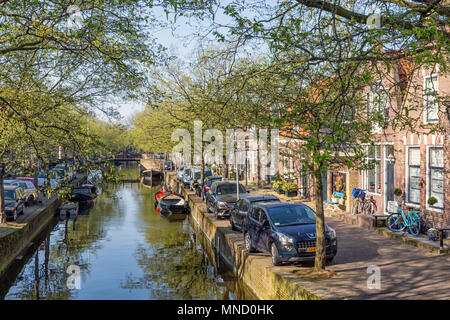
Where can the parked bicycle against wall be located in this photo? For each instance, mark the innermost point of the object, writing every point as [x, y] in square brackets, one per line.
[363, 204]
[399, 221]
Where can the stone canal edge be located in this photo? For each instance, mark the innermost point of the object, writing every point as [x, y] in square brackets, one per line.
[255, 270]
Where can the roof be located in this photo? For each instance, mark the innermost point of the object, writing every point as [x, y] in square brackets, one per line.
[261, 197]
[11, 187]
[214, 177]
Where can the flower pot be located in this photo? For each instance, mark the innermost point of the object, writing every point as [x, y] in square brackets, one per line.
[280, 191]
[291, 193]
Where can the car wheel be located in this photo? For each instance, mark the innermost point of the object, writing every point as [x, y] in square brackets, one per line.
[248, 243]
[330, 260]
[276, 260]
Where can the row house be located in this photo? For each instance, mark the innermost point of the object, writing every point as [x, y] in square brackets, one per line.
[415, 160]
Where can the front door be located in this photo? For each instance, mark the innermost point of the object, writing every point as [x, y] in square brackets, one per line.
[389, 192]
[389, 176]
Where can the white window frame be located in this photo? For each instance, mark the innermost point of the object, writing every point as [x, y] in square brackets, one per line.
[428, 180]
[375, 88]
[365, 172]
[411, 204]
[425, 101]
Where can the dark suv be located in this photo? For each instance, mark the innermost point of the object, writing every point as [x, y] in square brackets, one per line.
[222, 197]
[243, 206]
[287, 231]
[204, 189]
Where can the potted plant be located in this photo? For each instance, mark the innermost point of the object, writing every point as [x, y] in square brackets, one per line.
[432, 201]
[398, 192]
[290, 189]
[277, 186]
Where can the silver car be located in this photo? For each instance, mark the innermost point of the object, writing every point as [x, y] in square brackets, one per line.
[180, 173]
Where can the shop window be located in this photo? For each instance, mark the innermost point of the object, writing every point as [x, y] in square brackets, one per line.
[436, 176]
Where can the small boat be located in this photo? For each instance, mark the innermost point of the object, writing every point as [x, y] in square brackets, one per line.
[151, 177]
[84, 194]
[69, 209]
[162, 193]
[173, 207]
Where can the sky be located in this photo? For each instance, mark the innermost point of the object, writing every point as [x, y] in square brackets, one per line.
[178, 43]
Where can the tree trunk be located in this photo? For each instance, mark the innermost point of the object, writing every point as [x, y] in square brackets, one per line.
[319, 263]
[258, 169]
[225, 171]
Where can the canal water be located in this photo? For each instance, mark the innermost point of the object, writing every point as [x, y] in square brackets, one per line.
[120, 249]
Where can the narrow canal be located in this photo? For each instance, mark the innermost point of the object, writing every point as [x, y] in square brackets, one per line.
[121, 249]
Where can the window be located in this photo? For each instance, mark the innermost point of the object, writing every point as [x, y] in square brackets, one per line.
[436, 176]
[372, 177]
[430, 98]
[377, 106]
[414, 175]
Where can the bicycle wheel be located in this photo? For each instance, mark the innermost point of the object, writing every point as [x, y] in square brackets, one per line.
[395, 223]
[414, 227]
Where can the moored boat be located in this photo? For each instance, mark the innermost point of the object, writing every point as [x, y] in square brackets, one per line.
[84, 195]
[173, 207]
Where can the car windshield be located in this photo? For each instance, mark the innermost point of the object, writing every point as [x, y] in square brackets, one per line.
[187, 172]
[210, 181]
[229, 188]
[9, 195]
[264, 200]
[197, 175]
[291, 215]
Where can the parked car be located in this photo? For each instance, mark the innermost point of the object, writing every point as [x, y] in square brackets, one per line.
[180, 173]
[69, 172]
[287, 231]
[243, 206]
[185, 176]
[204, 189]
[61, 175]
[195, 176]
[14, 201]
[222, 197]
[168, 165]
[54, 181]
[29, 190]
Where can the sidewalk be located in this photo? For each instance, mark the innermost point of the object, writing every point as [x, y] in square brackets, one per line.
[407, 272]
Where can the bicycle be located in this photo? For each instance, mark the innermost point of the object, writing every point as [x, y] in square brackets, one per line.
[398, 221]
[369, 206]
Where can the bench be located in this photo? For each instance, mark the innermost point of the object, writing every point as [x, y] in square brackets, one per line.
[441, 236]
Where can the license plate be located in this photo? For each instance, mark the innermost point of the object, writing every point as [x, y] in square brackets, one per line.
[313, 249]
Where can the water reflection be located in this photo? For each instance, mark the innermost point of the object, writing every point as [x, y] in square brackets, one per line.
[124, 251]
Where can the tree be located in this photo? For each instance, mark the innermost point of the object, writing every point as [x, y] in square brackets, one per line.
[327, 53]
[49, 67]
